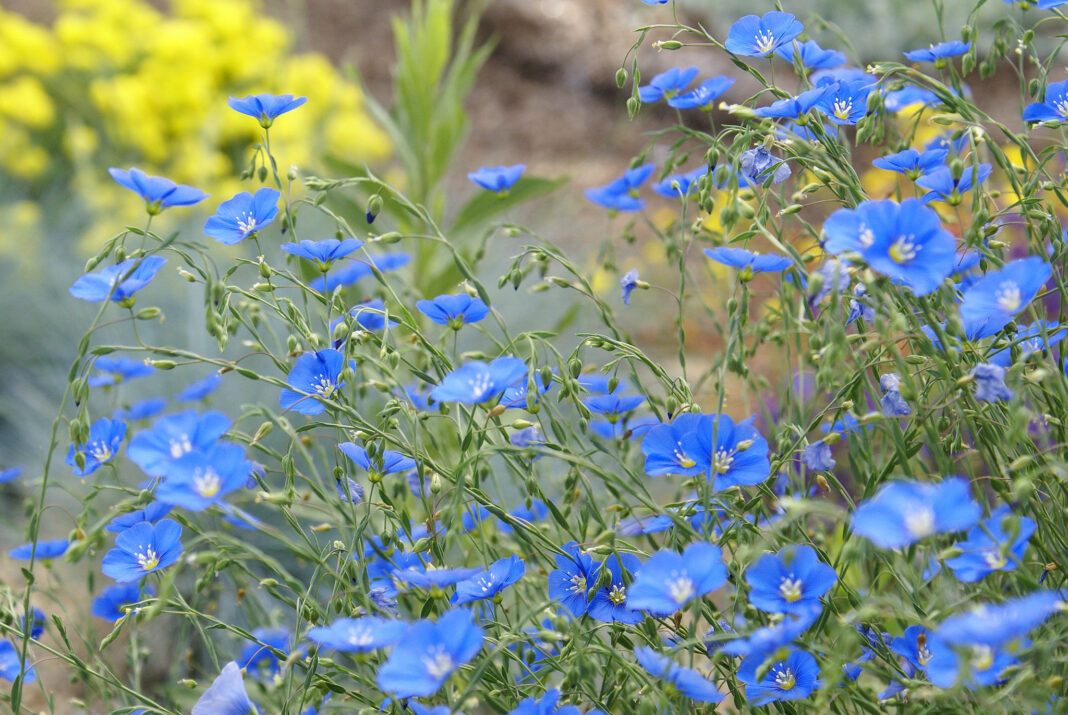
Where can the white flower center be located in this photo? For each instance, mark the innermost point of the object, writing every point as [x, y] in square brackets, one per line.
[100, 451]
[765, 42]
[1061, 105]
[785, 679]
[904, 248]
[866, 237]
[247, 223]
[790, 588]
[920, 522]
[681, 458]
[206, 482]
[147, 559]
[180, 446]
[1007, 297]
[722, 461]
[360, 636]
[681, 587]
[994, 560]
[437, 662]
[578, 583]
[617, 594]
[982, 657]
[842, 108]
[325, 386]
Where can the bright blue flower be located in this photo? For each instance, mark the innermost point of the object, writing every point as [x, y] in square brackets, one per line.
[119, 282]
[753, 36]
[667, 84]
[794, 107]
[613, 406]
[547, 704]
[198, 480]
[490, 581]
[359, 635]
[622, 193]
[265, 107]
[764, 642]
[313, 376]
[115, 602]
[845, 102]
[422, 575]
[516, 395]
[105, 436]
[990, 383]
[1040, 4]
[902, 513]
[151, 513]
[892, 402]
[790, 581]
[668, 580]
[158, 193]
[687, 681]
[370, 316]
[664, 2]
[905, 241]
[598, 384]
[354, 493]
[730, 454]
[702, 95]
[200, 389]
[174, 435]
[45, 550]
[498, 179]
[628, 283]
[630, 428]
[478, 382]
[900, 99]
[325, 252]
[575, 574]
[791, 679]
[609, 604]
[10, 474]
[912, 646]
[142, 549]
[995, 625]
[355, 270]
[1053, 107]
[117, 369]
[998, 544]
[1030, 341]
[141, 409]
[243, 215]
[385, 462]
[258, 659]
[976, 666]
[843, 75]
[939, 52]
[946, 141]
[758, 165]
[748, 262]
[535, 511]
[679, 186]
[454, 311]
[813, 57]
[226, 696]
[858, 306]
[942, 186]
[912, 163]
[429, 653]
[11, 666]
[817, 457]
[990, 303]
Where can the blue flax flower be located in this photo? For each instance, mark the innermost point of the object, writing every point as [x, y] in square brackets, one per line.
[116, 602]
[912, 163]
[669, 580]
[118, 282]
[385, 462]
[1052, 108]
[243, 215]
[37, 627]
[679, 186]
[628, 283]
[998, 544]
[45, 550]
[359, 635]
[498, 179]
[354, 493]
[759, 164]
[609, 604]
[754, 36]
[10, 474]
[419, 575]
[1040, 4]
[1034, 339]
[813, 57]
[992, 301]
[845, 102]
[975, 665]
[574, 575]
[105, 436]
[257, 656]
[313, 376]
[429, 653]
[370, 315]
[490, 581]
[791, 679]
[941, 185]
[763, 643]
[266, 107]
[454, 311]
[902, 513]
[152, 513]
[226, 695]
[142, 549]
[355, 270]
[995, 625]
[622, 193]
[748, 262]
[702, 95]
[11, 665]
[546, 705]
[990, 383]
[938, 53]
[324, 252]
[911, 95]
[141, 409]
[794, 107]
[614, 406]
[790, 581]
[817, 457]
[667, 84]
[158, 193]
[687, 681]
[200, 389]
[892, 402]
[114, 370]
[198, 480]
[478, 382]
[733, 455]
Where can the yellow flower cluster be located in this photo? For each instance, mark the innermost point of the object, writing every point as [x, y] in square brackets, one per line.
[117, 82]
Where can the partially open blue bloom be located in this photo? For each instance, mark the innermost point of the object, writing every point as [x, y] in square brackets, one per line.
[114, 370]
[702, 95]
[454, 311]
[37, 626]
[547, 704]
[354, 493]
[105, 436]
[845, 102]
[754, 36]
[912, 163]
[516, 395]
[976, 666]
[628, 283]
[45, 550]
[420, 575]
[941, 51]
[574, 575]
[158, 193]
[119, 282]
[667, 84]
[892, 402]
[679, 186]
[992, 301]
[265, 107]
[355, 270]
[1036, 338]
[794, 107]
[998, 624]
[762, 643]
[200, 479]
[116, 602]
[790, 581]
[11, 666]
[151, 513]
[314, 375]
[174, 435]
[748, 262]
[758, 165]
[817, 457]
[359, 635]
[609, 604]
[997, 545]
[370, 315]
[243, 215]
[902, 513]
[813, 57]
[490, 581]
[687, 681]
[622, 193]
[990, 383]
[859, 307]
[200, 389]
[429, 653]
[909, 96]
[1052, 108]
[226, 695]
[324, 252]
[385, 462]
[10, 474]
[613, 406]
[478, 382]
[141, 409]
[669, 580]
[941, 185]
[142, 549]
[791, 679]
[498, 179]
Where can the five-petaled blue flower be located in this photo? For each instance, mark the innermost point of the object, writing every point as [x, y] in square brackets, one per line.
[478, 382]
[174, 435]
[324, 252]
[794, 107]
[355, 270]
[845, 102]
[622, 193]
[687, 681]
[998, 544]
[1036, 338]
[791, 679]
[116, 602]
[912, 163]
[667, 84]
[158, 193]
[238, 218]
[359, 635]
[384, 462]
[198, 480]
[941, 185]
[575, 574]
[813, 57]
[790, 581]
[755, 36]
[490, 581]
[679, 185]
[748, 262]
[454, 311]
[1052, 108]
[990, 303]
[118, 282]
[701, 96]
[613, 406]
[105, 436]
[902, 513]
[938, 53]
[153, 512]
[226, 695]
[265, 107]
[609, 604]
[42, 550]
[113, 370]
[498, 179]
[817, 457]
[315, 375]
[429, 653]
[669, 580]
[142, 549]
[200, 389]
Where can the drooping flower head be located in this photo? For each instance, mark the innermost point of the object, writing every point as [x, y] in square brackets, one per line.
[622, 193]
[498, 179]
[142, 549]
[118, 282]
[200, 389]
[105, 436]
[157, 192]
[687, 681]
[790, 581]
[266, 107]
[628, 283]
[455, 311]
[756, 36]
[669, 580]
[747, 262]
[429, 653]
[243, 215]
[940, 52]
[892, 403]
[667, 84]
[992, 301]
[902, 513]
[759, 164]
[313, 376]
[42, 550]
[990, 383]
